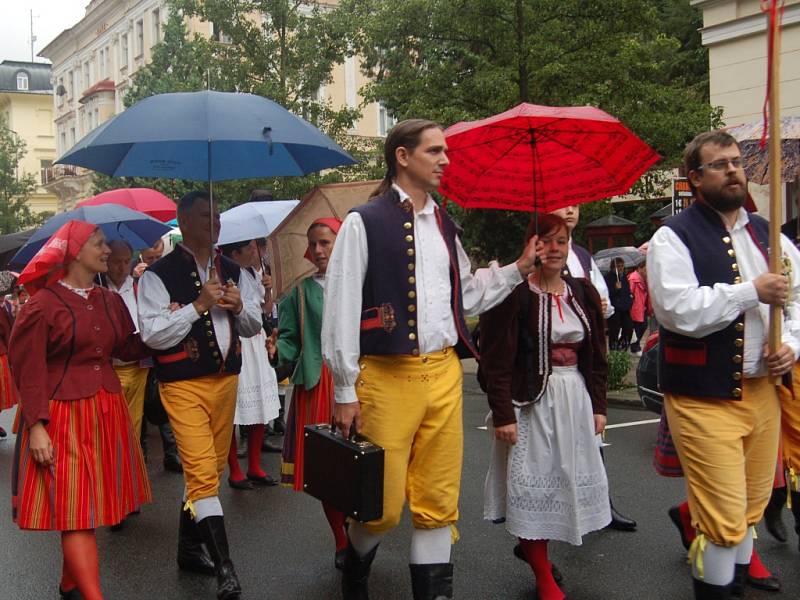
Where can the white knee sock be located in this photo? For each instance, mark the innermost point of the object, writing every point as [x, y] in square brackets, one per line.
[744, 549]
[207, 507]
[430, 546]
[718, 563]
[363, 541]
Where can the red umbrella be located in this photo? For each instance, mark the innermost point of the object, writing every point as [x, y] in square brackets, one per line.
[541, 158]
[145, 200]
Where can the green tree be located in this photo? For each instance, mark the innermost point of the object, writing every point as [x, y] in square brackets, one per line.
[285, 54]
[453, 60]
[15, 189]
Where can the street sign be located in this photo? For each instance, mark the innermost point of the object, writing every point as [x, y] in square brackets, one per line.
[681, 194]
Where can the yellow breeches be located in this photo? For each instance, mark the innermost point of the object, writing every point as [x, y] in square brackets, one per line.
[790, 430]
[201, 414]
[134, 384]
[727, 450]
[411, 406]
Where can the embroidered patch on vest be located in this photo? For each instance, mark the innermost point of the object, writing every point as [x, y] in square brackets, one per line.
[380, 317]
[685, 353]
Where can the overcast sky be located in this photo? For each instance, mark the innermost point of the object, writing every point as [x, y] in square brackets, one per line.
[50, 17]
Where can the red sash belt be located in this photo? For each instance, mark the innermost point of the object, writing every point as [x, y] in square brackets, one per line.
[564, 355]
[171, 358]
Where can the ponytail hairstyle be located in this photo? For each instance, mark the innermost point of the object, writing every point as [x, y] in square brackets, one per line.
[406, 134]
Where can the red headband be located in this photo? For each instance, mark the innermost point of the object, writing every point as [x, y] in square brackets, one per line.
[331, 223]
[50, 263]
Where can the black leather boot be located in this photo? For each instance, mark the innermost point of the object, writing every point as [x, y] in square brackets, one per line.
[620, 522]
[213, 531]
[172, 461]
[520, 554]
[192, 556]
[739, 579]
[432, 582]
[796, 511]
[73, 594]
[706, 591]
[356, 573]
[773, 514]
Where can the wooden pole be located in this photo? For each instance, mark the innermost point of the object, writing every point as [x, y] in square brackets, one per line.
[775, 195]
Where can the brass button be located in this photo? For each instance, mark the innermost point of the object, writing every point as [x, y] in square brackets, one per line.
[738, 342]
[739, 327]
[736, 392]
[411, 322]
[412, 336]
[208, 323]
[409, 238]
[211, 344]
[737, 376]
[412, 280]
[208, 333]
[735, 267]
[737, 280]
[216, 353]
[737, 358]
[193, 273]
[205, 314]
[411, 308]
[362, 366]
[407, 225]
[412, 294]
[410, 252]
[197, 284]
[726, 239]
[415, 352]
[731, 252]
[410, 266]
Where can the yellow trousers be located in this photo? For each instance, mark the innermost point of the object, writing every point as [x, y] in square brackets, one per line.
[790, 430]
[727, 450]
[201, 414]
[411, 406]
[134, 384]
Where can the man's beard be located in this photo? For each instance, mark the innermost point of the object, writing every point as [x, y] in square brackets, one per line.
[725, 202]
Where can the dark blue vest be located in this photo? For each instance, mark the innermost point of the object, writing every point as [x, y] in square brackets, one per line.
[389, 294]
[198, 353]
[710, 366]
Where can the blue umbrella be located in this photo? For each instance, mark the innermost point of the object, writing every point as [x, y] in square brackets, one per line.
[206, 136]
[117, 222]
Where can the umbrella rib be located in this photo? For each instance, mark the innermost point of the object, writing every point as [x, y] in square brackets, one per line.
[591, 159]
[503, 155]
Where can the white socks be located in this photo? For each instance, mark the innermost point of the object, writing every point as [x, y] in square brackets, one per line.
[430, 546]
[207, 507]
[744, 550]
[363, 541]
[718, 564]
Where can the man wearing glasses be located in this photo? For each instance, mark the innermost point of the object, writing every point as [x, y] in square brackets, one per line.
[711, 291]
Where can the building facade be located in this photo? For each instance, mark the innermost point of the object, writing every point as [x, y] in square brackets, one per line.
[93, 63]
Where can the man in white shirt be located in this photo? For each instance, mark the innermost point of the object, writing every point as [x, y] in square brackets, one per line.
[711, 292]
[398, 288]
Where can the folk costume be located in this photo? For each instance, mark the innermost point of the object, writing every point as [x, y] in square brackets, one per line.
[197, 362]
[8, 389]
[299, 335]
[712, 370]
[391, 345]
[60, 353]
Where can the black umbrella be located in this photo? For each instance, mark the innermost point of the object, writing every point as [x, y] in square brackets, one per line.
[11, 243]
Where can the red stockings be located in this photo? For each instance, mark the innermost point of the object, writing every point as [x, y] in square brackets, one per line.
[255, 437]
[233, 461]
[536, 553]
[336, 520]
[80, 563]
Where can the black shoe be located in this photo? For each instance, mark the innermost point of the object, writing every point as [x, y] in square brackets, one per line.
[773, 514]
[706, 591]
[73, 594]
[520, 554]
[356, 573]
[338, 559]
[212, 530]
[796, 511]
[243, 484]
[172, 463]
[192, 556]
[739, 579]
[620, 522]
[675, 516]
[278, 426]
[770, 584]
[432, 582]
[2, 433]
[269, 446]
[258, 480]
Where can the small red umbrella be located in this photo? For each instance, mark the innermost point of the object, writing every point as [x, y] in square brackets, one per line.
[541, 158]
[145, 200]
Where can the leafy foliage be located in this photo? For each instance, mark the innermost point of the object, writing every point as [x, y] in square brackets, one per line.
[619, 363]
[15, 189]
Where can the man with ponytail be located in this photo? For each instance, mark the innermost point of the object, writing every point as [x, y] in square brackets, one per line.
[398, 290]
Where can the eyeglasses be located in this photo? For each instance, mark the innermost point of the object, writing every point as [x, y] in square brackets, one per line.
[722, 164]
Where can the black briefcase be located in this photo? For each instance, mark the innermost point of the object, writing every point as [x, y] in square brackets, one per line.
[345, 473]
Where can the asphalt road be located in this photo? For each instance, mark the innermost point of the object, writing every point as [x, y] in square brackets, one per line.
[283, 549]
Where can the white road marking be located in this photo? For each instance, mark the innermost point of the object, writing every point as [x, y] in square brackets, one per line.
[633, 423]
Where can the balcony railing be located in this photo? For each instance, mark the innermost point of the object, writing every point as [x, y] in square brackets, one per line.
[51, 174]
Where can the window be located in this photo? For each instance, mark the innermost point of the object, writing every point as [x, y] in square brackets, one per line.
[156, 27]
[63, 143]
[70, 84]
[72, 136]
[385, 120]
[102, 73]
[44, 165]
[123, 52]
[22, 81]
[107, 66]
[60, 91]
[139, 37]
[87, 76]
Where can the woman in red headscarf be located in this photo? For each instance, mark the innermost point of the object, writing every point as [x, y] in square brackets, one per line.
[78, 464]
[300, 319]
[8, 391]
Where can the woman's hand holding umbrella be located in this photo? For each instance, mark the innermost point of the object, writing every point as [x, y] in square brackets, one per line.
[531, 257]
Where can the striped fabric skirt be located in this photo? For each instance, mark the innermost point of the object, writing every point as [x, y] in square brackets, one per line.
[8, 389]
[308, 407]
[99, 475]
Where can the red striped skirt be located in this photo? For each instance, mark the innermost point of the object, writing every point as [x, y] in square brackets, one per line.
[8, 389]
[99, 475]
[308, 407]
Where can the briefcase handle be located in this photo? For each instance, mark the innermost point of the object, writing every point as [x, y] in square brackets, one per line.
[353, 434]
